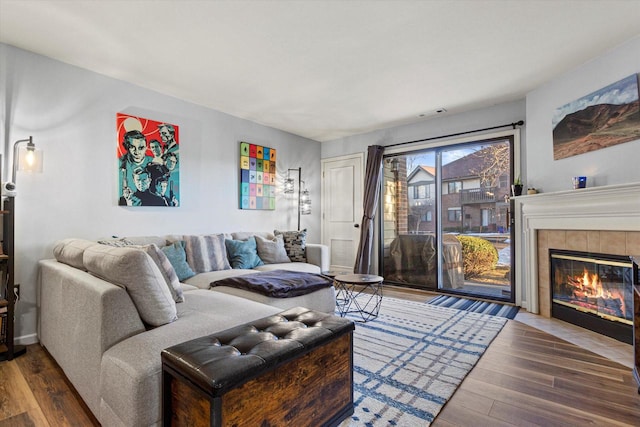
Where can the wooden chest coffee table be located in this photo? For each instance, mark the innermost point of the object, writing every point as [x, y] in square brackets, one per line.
[291, 369]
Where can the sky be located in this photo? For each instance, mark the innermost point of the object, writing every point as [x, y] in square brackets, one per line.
[448, 156]
[621, 92]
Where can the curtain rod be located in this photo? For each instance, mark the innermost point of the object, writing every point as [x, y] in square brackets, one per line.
[520, 123]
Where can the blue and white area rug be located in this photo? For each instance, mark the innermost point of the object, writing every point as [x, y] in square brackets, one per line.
[484, 307]
[409, 361]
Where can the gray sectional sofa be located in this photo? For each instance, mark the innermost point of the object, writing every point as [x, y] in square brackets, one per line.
[107, 311]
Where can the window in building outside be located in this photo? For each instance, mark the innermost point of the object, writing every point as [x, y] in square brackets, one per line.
[421, 192]
[454, 187]
[455, 214]
[486, 217]
[503, 181]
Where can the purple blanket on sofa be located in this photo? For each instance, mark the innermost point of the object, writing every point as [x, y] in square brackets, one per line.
[277, 283]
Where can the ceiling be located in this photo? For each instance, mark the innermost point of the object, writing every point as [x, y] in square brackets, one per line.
[325, 69]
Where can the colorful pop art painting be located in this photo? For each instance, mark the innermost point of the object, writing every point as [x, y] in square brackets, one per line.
[257, 177]
[148, 162]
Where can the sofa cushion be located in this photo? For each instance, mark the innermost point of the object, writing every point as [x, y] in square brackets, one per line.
[71, 251]
[135, 271]
[243, 254]
[290, 266]
[204, 280]
[166, 269]
[246, 235]
[206, 253]
[178, 258]
[272, 251]
[294, 243]
[131, 371]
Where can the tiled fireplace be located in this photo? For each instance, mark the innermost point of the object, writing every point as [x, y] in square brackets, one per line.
[593, 290]
[602, 220]
[589, 241]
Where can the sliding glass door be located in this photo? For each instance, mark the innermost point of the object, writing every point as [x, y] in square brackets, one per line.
[446, 219]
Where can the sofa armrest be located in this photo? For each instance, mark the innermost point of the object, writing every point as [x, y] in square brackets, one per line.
[81, 316]
[318, 254]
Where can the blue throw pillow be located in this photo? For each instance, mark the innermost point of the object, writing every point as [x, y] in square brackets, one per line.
[243, 253]
[178, 259]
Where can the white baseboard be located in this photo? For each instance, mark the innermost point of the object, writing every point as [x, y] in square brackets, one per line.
[26, 339]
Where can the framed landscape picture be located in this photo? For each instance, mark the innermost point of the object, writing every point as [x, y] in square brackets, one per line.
[257, 177]
[604, 118]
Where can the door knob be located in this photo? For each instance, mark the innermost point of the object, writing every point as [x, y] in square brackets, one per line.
[356, 225]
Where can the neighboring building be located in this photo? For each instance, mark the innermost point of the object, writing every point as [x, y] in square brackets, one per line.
[472, 199]
[421, 187]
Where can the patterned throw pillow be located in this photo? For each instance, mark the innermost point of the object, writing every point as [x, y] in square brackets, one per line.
[116, 242]
[206, 253]
[243, 253]
[178, 258]
[272, 251]
[295, 243]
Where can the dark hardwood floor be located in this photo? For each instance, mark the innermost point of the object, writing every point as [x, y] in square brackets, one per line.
[35, 392]
[527, 377]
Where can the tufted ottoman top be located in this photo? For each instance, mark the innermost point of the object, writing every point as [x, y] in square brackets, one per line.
[230, 358]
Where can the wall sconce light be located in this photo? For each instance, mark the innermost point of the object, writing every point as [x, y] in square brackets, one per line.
[304, 198]
[25, 159]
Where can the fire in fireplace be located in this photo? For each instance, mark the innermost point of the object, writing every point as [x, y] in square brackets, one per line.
[594, 291]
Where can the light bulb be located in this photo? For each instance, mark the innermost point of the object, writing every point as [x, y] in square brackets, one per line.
[305, 203]
[288, 185]
[30, 158]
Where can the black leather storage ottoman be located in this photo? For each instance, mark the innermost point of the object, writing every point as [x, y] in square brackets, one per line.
[291, 369]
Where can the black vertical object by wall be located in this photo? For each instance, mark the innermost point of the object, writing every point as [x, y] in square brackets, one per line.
[8, 297]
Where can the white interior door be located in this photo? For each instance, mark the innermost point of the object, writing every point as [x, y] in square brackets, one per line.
[342, 184]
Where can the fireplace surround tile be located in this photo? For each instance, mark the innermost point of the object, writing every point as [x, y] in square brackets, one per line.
[543, 239]
[557, 238]
[613, 242]
[593, 241]
[576, 240]
[633, 242]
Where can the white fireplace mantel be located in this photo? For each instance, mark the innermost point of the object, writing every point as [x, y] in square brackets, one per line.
[611, 207]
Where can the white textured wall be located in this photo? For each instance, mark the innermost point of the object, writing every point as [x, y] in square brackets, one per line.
[612, 165]
[70, 112]
[446, 124]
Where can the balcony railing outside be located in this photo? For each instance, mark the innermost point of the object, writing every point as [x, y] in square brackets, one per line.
[478, 195]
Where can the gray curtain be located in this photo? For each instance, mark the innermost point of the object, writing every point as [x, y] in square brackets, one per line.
[373, 175]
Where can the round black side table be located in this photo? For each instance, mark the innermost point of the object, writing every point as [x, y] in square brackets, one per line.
[360, 294]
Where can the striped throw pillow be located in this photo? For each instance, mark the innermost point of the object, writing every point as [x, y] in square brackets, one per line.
[206, 253]
[167, 270]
